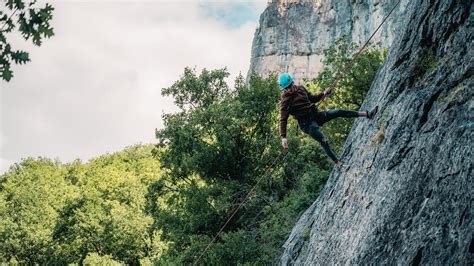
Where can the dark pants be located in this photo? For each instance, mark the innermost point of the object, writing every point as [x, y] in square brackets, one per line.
[312, 127]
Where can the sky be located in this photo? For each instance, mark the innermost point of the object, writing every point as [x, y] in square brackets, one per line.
[95, 87]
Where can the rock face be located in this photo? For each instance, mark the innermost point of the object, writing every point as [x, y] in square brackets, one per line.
[293, 34]
[406, 195]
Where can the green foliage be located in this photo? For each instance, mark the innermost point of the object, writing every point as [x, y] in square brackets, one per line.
[96, 259]
[31, 195]
[351, 89]
[32, 22]
[306, 234]
[71, 213]
[426, 63]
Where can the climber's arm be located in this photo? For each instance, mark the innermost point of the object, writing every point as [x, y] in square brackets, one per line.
[314, 98]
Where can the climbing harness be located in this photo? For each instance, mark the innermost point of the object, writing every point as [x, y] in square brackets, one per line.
[277, 159]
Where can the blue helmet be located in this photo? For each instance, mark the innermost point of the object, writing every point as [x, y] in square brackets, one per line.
[285, 80]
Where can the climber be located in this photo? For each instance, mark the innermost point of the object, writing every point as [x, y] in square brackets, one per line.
[298, 102]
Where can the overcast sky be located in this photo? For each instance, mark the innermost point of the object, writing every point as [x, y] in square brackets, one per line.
[95, 86]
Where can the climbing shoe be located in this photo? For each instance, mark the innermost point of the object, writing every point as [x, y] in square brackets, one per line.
[341, 165]
[372, 113]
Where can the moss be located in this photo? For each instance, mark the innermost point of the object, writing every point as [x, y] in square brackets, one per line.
[447, 97]
[426, 63]
[459, 88]
[384, 116]
[443, 99]
[306, 234]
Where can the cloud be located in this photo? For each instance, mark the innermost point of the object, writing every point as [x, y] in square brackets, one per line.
[95, 86]
[233, 13]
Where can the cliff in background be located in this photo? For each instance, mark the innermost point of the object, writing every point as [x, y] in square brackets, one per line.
[406, 195]
[292, 34]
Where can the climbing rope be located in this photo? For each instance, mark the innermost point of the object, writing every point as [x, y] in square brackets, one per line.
[243, 202]
[277, 160]
[348, 64]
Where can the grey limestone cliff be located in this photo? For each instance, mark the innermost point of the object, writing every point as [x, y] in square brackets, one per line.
[406, 195]
[292, 34]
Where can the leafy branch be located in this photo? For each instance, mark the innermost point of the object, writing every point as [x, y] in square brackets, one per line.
[32, 22]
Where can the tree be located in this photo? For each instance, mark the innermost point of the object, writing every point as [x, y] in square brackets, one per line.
[31, 21]
[31, 195]
[107, 217]
[53, 213]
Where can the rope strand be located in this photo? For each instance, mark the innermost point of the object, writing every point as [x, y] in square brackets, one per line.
[242, 203]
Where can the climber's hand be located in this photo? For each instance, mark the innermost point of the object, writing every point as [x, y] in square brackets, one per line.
[339, 164]
[284, 143]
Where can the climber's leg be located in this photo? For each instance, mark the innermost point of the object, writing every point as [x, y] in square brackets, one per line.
[329, 115]
[315, 132]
